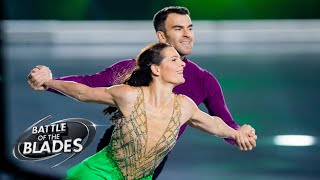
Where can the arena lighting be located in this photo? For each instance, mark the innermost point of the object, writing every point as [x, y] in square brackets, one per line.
[98, 125]
[294, 140]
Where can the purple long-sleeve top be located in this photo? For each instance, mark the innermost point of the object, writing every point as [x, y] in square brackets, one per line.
[200, 85]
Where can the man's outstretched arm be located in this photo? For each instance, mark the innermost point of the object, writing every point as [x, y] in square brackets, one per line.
[105, 78]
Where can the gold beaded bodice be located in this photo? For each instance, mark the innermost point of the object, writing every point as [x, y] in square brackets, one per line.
[131, 141]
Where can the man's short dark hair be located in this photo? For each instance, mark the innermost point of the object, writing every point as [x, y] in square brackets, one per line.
[160, 17]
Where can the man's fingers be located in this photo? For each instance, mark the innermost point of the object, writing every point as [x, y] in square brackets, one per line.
[41, 79]
[242, 142]
[40, 66]
[252, 140]
[41, 82]
[238, 141]
[33, 75]
[37, 75]
[251, 134]
[253, 143]
[37, 79]
[246, 138]
[29, 76]
[248, 144]
[34, 70]
[36, 87]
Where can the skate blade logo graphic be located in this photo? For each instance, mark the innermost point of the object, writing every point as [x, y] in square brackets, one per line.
[58, 141]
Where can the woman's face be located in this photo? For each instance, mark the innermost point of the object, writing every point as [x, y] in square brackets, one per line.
[171, 67]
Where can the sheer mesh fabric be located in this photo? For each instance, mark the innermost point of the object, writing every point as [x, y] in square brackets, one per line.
[130, 137]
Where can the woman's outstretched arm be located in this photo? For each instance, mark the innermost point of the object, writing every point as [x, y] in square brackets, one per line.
[84, 93]
[212, 124]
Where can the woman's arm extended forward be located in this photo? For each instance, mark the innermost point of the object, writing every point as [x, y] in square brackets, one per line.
[80, 92]
[211, 124]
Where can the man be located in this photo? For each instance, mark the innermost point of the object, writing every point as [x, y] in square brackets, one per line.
[172, 25]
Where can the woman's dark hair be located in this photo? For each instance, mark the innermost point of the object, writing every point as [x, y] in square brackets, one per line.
[160, 17]
[142, 75]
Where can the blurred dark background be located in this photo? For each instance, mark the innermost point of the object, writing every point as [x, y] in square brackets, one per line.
[145, 9]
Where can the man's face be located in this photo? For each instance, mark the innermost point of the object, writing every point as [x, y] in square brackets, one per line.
[179, 33]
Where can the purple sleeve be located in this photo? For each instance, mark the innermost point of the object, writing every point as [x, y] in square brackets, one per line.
[105, 78]
[215, 102]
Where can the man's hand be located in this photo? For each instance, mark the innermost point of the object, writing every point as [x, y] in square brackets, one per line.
[38, 76]
[246, 138]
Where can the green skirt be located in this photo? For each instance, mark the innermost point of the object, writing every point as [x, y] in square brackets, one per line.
[97, 167]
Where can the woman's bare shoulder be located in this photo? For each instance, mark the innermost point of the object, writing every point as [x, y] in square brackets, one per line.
[124, 92]
[187, 104]
[185, 100]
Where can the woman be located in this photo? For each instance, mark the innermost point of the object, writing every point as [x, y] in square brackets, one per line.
[149, 117]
